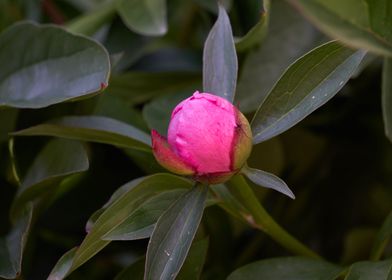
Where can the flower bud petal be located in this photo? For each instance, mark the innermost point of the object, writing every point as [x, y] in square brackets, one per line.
[166, 157]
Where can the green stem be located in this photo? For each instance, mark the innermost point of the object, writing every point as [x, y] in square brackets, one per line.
[263, 221]
[88, 24]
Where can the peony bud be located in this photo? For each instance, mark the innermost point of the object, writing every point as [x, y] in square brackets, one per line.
[208, 139]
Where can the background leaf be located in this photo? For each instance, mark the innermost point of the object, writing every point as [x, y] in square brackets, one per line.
[382, 238]
[193, 265]
[173, 235]
[147, 17]
[290, 268]
[289, 36]
[367, 270]
[53, 61]
[220, 64]
[364, 24]
[12, 246]
[57, 160]
[387, 97]
[62, 266]
[305, 86]
[92, 128]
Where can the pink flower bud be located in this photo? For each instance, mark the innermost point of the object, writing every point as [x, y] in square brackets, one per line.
[208, 139]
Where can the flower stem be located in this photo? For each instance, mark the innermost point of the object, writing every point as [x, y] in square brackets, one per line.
[263, 221]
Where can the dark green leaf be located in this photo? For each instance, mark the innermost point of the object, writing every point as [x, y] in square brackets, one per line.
[367, 270]
[61, 268]
[173, 235]
[305, 86]
[119, 210]
[147, 17]
[289, 36]
[55, 66]
[157, 113]
[92, 128]
[267, 180]
[141, 223]
[382, 238]
[220, 64]
[291, 268]
[135, 271]
[12, 246]
[257, 33]
[193, 265]
[365, 24]
[387, 97]
[57, 160]
[91, 22]
[138, 87]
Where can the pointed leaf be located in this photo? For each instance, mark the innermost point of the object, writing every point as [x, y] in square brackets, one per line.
[147, 17]
[120, 209]
[135, 271]
[141, 223]
[368, 270]
[267, 180]
[289, 268]
[92, 128]
[305, 86]
[364, 24]
[173, 235]
[193, 265]
[257, 33]
[61, 268]
[57, 160]
[48, 65]
[220, 64]
[387, 97]
[382, 238]
[12, 246]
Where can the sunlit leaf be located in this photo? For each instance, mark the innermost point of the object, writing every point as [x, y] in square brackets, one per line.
[305, 86]
[62, 266]
[55, 66]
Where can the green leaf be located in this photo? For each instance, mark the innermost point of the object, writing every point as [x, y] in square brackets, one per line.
[61, 268]
[91, 22]
[92, 128]
[305, 86]
[289, 268]
[368, 270]
[57, 160]
[135, 271]
[173, 235]
[220, 64]
[363, 24]
[387, 97]
[12, 246]
[124, 206]
[48, 65]
[289, 37]
[8, 117]
[257, 33]
[141, 223]
[157, 113]
[267, 180]
[138, 87]
[193, 265]
[382, 238]
[147, 17]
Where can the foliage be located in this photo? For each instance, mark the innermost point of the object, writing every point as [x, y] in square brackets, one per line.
[82, 83]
